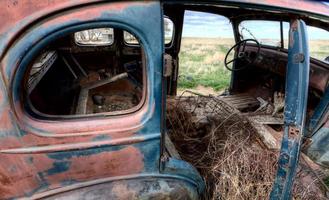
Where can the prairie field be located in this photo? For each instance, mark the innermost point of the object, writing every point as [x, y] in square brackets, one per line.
[319, 49]
[201, 61]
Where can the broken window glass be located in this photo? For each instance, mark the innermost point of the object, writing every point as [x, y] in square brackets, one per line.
[265, 32]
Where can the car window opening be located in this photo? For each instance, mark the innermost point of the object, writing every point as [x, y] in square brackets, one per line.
[86, 72]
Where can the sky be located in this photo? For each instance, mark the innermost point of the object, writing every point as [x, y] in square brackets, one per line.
[199, 24]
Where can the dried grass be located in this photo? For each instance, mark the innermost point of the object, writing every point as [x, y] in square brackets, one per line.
[220, 143]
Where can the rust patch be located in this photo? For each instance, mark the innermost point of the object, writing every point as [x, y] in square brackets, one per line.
[122, 190]
[9, 142]
[2, 100]
[5, 119]
[293, 133]
[92, 12]
[106, 164]
[26, 173]
[114, 126]
[64, 144]
[311, 6]
[14, 10]
[16, 178]
[293, 28]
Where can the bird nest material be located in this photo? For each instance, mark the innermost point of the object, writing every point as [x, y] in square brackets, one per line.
[220, 143]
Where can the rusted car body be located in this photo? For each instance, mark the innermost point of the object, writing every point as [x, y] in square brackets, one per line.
[125, 156]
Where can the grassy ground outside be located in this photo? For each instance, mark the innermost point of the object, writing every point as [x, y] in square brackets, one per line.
[201, 63]
[319, 49]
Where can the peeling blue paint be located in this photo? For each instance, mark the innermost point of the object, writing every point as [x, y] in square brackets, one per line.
[67, 182]
[79, 153]
[297, 80]
[58, 167]
[101, 137]
[29, 160]
[151, 154]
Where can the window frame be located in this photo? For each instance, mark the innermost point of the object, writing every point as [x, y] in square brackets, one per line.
[313, 58]
[282, 47]
[25, 46]
[94, 45]
[31, 111]
[266, 45]
[232, 28]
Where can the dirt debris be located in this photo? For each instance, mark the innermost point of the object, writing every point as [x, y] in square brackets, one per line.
[220, 143]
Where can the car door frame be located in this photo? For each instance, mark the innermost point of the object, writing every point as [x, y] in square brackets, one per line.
[42, 157]
[297, 84]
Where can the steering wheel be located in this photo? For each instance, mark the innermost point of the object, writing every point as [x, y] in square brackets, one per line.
[242, 55]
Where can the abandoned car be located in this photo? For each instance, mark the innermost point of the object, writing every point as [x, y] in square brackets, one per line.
[84, 85]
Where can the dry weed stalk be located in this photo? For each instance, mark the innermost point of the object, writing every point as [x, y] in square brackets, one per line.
[220, 143]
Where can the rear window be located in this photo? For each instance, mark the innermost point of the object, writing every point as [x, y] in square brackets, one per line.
[94, 37]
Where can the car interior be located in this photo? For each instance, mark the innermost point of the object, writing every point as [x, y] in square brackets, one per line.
[73, 76]
[102, 70]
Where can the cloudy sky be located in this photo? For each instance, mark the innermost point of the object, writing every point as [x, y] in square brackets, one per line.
[198, 24]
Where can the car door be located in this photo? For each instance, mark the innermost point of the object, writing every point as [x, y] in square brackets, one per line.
[317, 147]
[297, 81]
[41, 157]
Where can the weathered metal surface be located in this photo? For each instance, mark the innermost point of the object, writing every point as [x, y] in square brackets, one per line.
[43, 155]
[320, 114]
[18, 15]
[152, 187]
[22, 13]
[318, 149]
[297, 82]
[182, 168]
[315, 7]
[318, 131]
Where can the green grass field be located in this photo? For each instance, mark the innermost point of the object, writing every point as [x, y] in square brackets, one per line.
[201, 61]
